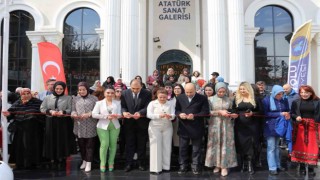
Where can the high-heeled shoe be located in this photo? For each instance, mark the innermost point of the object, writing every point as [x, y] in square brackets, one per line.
[224, 172]
[110, 168]
[244, 167]
[102, 169]
[250, 168]
[83, 165]
[216, 170]
[88, 167]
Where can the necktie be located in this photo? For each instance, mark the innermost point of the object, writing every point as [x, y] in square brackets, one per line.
[135, 99]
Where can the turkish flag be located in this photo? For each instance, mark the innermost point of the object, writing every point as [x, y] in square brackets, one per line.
[51, 62]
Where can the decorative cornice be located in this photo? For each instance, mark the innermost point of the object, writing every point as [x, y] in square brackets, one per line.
[315, 33]
[49, 35]
[250, 33]
[34, 37]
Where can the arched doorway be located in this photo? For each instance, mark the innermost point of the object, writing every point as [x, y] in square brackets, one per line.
[175, 59]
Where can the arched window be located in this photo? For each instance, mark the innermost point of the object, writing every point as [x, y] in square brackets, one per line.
[20, 50]
[81, 47]
[272, 44]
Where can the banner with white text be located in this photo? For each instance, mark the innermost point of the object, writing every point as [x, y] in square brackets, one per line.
[299, 56]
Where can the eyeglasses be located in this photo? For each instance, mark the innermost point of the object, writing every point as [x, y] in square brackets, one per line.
[177, 88]
[119, 91]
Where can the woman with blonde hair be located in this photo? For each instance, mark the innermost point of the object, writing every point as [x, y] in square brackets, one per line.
[246, 126]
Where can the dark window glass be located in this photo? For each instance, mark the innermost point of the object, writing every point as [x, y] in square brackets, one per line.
[81, 48]
[272, 44]
[20, 50]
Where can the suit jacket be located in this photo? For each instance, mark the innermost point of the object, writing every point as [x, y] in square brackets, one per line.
[295, 109]
[42, 95]
[199, 106]
[127, 105]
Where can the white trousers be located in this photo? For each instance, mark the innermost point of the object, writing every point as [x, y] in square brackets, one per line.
[160, 137]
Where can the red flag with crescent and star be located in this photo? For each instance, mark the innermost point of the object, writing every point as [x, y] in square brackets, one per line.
[51, 62]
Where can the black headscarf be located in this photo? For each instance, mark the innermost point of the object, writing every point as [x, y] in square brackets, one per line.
[85, 85]
[61, 84]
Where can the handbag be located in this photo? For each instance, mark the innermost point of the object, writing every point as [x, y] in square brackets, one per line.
[281, 126]
[12, 128]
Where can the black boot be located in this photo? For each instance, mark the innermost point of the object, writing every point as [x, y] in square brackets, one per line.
[311, 171]
[250, 167]
[244, 167]
[298, 169]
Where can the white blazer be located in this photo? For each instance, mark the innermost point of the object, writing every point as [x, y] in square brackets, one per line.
[100, 111]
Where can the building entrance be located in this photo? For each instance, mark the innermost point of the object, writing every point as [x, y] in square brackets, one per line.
[175, 59]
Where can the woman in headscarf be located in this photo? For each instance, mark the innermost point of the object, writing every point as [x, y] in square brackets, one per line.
[221, 150]
[28, 132]
[274, 107]
[153, 80]
[84, 125]
[94, 87]
[59, 139]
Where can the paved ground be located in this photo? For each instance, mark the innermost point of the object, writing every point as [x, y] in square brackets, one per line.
[72, 172]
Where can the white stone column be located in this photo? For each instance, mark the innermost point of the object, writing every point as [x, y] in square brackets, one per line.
[129, 39]
[36, 73]
[142, 48]
[250, 34]
[110, 46]
[315, 65]
[238, 66]
[215, 37]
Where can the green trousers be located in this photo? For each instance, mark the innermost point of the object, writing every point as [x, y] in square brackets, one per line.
[108, 140]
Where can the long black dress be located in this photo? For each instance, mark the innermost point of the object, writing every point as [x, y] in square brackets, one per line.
[28, 137]
[246, 130]
[59, 138]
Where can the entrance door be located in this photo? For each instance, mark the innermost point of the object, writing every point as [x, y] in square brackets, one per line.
[175, 59]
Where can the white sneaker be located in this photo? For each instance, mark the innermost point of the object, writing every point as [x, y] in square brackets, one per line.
[83, 165]
[88, 167]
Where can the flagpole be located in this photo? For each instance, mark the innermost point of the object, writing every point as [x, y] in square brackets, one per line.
[5, 52]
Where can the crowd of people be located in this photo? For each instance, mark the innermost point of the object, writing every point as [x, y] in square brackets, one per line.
[175, 114]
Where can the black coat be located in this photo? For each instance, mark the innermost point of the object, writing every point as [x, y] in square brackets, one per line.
[127, 105]
[295, 109]
[199, 107]
[28, 135]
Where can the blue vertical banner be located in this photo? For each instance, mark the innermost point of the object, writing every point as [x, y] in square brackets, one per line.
[300, 45]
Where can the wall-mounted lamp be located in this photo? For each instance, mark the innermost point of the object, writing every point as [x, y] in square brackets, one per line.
[156, 39]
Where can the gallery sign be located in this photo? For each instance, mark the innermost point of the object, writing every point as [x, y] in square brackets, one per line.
[175, 10]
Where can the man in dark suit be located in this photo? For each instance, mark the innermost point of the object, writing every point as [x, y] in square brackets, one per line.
[191, 108]
[134, 103]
